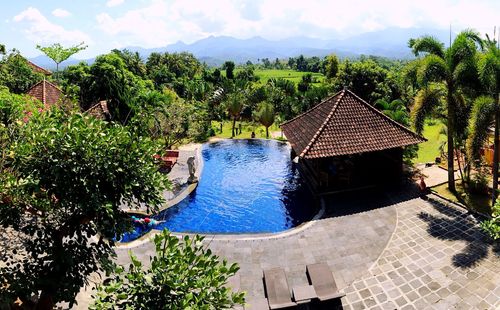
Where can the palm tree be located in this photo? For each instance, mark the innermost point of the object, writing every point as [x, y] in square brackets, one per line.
[455, 68]
[265, 115]
[487, 109]
[234, 105]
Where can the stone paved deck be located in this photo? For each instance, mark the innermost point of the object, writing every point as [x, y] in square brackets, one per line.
[350, 244]
[436, 259]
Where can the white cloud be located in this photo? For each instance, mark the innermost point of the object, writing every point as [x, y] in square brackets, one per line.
[39, 29]
[160, 22]
[112, 3]
[61, 13]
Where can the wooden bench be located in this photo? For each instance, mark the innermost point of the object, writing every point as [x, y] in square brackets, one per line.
[168, 160]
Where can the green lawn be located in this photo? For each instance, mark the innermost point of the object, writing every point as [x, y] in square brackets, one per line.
[247, 128]
[291, 75]
[476, 202]
[428, 151]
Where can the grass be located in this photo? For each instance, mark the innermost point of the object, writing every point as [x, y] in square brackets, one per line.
[246, 129]
[429, 150]
[477, 202]
[291, 75]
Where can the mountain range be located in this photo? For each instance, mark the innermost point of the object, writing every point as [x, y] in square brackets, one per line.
[214, 50]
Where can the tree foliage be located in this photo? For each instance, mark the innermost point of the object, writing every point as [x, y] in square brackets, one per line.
[456, 69]
[16, 74]
[63, 181]
[183, 275]
[265, 115]
[58, 53]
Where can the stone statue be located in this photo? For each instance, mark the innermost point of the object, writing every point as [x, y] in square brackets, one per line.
[192, 169]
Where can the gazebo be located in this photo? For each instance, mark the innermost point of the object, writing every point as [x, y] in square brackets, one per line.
[344, 143]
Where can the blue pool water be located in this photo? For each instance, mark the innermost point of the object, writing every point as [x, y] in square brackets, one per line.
[247, 186]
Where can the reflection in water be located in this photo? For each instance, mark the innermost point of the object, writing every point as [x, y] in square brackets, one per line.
[247, 186]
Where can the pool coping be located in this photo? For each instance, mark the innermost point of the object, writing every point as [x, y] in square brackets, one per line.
[231, 236]
[218, 236]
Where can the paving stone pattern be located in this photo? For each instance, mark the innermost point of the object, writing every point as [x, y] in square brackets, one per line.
[437, 259]
[349, 244]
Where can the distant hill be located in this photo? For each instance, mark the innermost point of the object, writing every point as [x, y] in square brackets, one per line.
[390, 42]
[47, 63]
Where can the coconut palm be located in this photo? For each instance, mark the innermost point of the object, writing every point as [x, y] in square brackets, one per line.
[265, 115]
[234, 104]
[487, 109]
[453, 67]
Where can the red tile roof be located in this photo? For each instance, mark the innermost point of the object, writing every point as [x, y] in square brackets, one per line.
[39, 69]
[100, 110]
[48, 93]
[345, 124]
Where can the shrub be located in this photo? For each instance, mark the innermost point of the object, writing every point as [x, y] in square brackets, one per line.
[183, 275]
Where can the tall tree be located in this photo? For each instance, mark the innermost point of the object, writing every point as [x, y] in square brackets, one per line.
[234, 104]
[487, 109]
[454, 67]
[61, 196]
[331, 66]
[58, 53]
[265, 115]
[229, 67]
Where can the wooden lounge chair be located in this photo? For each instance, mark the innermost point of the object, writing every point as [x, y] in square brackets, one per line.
[257, 304]
[321, 277]
[277, 290]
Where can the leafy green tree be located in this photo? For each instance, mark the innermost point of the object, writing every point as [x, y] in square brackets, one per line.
[16, 74]
[229, 67]
[234, 104]
[2, 49]
[61, 189]
[395, 109]
[58, 53]
[165, 68]
[174, 120]
[133, 61]
[183, 275]
[487, 109]
[365, 78]
[454, 67]
[265, 115]
[331, 66]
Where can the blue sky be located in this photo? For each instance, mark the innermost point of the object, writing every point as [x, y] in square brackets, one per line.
[108, 24]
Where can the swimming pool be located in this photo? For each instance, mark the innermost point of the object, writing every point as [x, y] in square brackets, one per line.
[246, 186]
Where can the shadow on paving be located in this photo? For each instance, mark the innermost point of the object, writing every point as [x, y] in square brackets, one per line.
[366, 200]
[457, 225]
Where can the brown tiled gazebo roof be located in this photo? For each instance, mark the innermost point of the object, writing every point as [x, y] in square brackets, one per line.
[100, 110]
[345, 124]
[39, 69]
[48, 93]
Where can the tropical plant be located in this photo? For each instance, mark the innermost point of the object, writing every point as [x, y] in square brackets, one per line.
[492, 226]
[61, 190]
[234, 104]
[58, 53]
[454, 67]
[265, 115]
[395, 109]
[183, 275]
[486, 109]
[331, 66]
[16, 74]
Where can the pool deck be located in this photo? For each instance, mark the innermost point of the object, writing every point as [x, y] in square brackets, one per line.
[178, 176]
